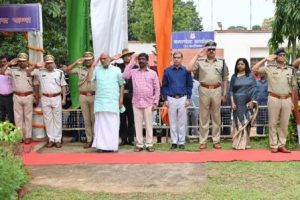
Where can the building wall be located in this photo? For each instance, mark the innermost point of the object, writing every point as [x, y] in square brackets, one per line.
[231, 45]
[246, 44]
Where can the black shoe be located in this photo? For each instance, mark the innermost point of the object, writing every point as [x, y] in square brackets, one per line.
[174, 146]
[123, 142]
[181, 146]
[158, 140]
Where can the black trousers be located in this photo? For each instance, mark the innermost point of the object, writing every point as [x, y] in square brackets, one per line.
[7, 108]
[127, 130]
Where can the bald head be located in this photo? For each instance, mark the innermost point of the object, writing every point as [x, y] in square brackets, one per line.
[105, 60]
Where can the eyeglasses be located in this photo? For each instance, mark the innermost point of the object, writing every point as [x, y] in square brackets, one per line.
[211, 49]
[176, 57]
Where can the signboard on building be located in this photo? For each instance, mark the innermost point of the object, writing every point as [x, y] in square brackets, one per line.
[20, 17]
[191, 40]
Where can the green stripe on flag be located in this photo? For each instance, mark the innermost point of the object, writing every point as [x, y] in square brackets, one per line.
[78, 37]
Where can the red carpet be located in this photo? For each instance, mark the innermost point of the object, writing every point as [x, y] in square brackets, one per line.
[254, 155]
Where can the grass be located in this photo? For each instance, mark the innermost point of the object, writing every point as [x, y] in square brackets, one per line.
[234, 180]
[256, 143]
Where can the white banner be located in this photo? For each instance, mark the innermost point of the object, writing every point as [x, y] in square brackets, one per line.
[109, 26]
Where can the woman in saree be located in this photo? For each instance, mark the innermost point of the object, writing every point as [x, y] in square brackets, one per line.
[243, 97]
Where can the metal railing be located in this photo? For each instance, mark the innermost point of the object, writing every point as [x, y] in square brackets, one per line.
[73, 119]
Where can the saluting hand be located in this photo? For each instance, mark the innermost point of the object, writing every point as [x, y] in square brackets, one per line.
[13, 61]
[201, 53]
[79, 61]
[271, 57]
[40, 65]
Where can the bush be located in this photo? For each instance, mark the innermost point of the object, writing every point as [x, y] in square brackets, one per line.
[13, 174]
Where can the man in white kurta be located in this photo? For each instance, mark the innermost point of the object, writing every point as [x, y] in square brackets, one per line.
[108, 101]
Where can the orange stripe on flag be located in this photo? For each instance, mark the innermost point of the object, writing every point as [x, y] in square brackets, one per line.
[162, 12]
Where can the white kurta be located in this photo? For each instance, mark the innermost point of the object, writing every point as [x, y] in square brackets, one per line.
[106, 131]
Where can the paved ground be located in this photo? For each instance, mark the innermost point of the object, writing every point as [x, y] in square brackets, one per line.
[174, 178]
[124, 178]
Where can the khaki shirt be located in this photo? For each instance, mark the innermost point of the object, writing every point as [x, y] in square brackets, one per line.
[211, 73]
[50, 82]
[83, 83]
[21, 82]
[281, 81]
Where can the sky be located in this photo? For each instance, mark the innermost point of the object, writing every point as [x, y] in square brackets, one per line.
[233, 12]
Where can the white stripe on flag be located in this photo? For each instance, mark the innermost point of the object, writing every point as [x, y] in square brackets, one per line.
[109, 26]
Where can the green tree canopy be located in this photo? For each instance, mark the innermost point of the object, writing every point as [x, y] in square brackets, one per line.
[141, 26]
[286, 24]
[54, 30]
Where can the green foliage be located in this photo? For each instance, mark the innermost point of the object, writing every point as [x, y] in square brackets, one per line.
[141, 25]
[13, 173]
[54, 30]
[286, 24]
[256, 27]
[237, 28]
[11, 46]
[9, 134]
[291, 140]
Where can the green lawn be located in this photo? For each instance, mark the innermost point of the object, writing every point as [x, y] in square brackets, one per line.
[256, 143]
[234, 180]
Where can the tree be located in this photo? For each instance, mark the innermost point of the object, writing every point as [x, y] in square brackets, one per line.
[286, 25]
[256, 27]
[185, 18]
[54, 30]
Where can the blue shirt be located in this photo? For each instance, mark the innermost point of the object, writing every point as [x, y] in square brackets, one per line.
[177, 82]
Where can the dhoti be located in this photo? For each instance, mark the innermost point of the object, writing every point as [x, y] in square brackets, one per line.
[106, 131]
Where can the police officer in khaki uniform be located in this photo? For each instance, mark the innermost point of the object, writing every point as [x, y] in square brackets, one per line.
[23, 94]
[213, 74]
[53, 89]
[281, 83]
[87, 93]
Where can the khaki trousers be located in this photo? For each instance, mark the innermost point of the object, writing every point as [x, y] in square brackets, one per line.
[210, 105]
[87, 108]
[52, 113]
[23, 114]
[143, 115]
[278, 109]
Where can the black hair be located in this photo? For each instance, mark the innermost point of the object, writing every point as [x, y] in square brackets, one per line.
[143, 55]
[2, 57]
[247, 68]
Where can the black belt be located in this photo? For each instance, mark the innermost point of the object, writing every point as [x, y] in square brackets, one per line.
[177, 96]
[6, 95]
